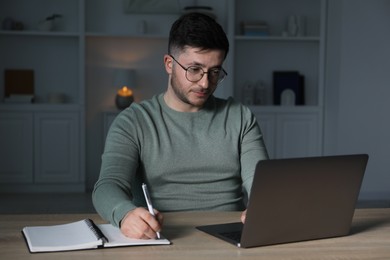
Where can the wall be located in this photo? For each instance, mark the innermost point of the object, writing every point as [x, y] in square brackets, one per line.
[103, 56]
[357, 88]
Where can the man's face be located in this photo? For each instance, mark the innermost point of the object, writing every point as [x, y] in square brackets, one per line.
[182, 94]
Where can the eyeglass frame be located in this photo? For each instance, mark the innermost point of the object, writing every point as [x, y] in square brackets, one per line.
[203, 72]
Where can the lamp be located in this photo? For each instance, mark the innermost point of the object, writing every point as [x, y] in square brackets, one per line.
[124, 79]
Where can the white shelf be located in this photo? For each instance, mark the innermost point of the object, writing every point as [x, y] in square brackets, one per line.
[39, 107]
[124, 35]
[285, 109]
[39, 33]
[276, 38]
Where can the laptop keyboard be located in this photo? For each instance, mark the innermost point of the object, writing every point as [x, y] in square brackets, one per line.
[233, 235]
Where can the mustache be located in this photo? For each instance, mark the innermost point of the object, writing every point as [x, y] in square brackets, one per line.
[201, 90]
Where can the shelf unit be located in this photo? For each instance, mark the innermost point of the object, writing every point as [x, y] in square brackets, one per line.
[290, 131]
[59, 53]
[51, 145]
[94, 37]
[256, 57]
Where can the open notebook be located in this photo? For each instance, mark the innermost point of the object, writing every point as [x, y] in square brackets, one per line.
[83, 234]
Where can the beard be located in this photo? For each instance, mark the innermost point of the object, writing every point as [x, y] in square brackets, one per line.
[188, 95]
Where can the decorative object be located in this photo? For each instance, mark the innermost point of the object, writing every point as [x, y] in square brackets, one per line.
[257, 28]
[248, 94]
[296, 25]
[254, 93]
[18, 26]
[124, 98]
[288, 80]
[142, 27]
[292, 25]
[287, 98]
[19, 86]
[301, 21]
[19, 99]
[56, 98]
[18, 82]
[7, 23]
[260, 93]
[10, 24]
[49, 24]
[124, 79]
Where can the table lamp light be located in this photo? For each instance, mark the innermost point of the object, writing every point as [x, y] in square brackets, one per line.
[124, 78]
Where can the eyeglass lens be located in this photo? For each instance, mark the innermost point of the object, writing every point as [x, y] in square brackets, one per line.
[195, 73]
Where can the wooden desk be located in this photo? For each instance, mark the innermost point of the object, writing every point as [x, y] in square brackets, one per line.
[369, 239]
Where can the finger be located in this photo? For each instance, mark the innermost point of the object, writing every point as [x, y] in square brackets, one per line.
[243, 216]
[146, 231]
[153, 222]
[139, 223]
[139, 229]
[159, 217]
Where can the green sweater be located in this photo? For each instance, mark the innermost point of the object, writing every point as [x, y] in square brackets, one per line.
[190, 161]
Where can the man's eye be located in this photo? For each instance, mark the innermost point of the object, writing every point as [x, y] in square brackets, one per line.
[194, 70]
[215, 72]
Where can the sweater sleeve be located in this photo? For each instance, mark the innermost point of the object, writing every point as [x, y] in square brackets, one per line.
[112, 195]
[253, 148]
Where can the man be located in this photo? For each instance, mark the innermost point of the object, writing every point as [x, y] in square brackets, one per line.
[195, 151]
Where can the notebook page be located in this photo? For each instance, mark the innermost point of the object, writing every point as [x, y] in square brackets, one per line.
[71, 236]
[116, 238]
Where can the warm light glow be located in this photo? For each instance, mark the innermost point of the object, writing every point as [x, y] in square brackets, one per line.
[125, 92]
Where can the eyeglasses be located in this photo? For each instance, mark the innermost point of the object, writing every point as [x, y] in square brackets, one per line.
[195, 73]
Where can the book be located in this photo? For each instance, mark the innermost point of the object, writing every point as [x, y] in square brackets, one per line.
[79, 235]
[289, 80]
[256, 28]
[19, 98]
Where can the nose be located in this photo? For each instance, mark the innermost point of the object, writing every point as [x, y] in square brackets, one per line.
[204, 81]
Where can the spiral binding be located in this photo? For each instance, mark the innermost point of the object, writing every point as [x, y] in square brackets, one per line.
[96, 230]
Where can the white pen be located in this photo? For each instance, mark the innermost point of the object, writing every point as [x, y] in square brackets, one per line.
[149, 203]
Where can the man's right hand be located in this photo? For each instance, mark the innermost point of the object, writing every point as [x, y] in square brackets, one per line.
[140, 224]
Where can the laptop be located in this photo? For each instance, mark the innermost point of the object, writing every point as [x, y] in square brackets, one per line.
[297, 199]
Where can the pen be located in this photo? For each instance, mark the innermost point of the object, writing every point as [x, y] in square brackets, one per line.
[149, 203]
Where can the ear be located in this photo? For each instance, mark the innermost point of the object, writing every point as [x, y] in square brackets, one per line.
[168, 62]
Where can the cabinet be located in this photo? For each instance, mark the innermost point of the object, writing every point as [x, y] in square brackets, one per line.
[290, 134]
[56, 151]
[108, 118]
[39, 149]
[298, 135]
[16, 147]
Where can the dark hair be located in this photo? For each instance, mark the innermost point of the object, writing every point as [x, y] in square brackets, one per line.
[199, 31]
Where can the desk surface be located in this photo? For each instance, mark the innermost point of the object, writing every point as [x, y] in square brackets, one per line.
[369, 239]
